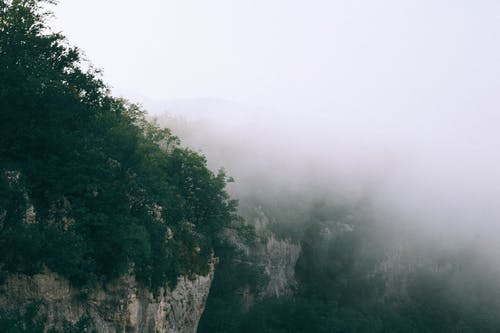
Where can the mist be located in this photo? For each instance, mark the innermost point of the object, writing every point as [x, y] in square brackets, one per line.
[392, 103]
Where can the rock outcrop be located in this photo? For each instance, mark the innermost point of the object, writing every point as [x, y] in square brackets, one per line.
[121, 306]
[278, 256]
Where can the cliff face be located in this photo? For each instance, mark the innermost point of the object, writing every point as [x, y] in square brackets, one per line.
[121, 306]
[278, 256]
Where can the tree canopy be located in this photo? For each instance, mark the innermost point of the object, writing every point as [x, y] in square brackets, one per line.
[88, 187]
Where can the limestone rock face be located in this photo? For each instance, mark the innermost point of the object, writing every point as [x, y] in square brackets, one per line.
[121, 306]
[279, 257]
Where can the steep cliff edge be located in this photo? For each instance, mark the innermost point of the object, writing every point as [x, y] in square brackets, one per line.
[121, 306]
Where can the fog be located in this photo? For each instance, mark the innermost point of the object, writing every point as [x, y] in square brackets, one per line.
[441, 180]
[393, 103]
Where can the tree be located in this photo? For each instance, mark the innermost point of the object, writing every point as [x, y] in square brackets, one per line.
[109, 191]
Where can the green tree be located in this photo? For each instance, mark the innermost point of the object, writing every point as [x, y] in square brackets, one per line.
[108, 190]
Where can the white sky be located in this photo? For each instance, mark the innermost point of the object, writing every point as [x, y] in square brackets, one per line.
[361, 56]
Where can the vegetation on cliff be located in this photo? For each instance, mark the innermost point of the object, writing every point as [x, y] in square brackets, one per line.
[355, 275]
[88, 187]
[92, 190]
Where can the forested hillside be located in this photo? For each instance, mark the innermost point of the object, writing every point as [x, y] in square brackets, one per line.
[88, 187]
[353, 274]
[92, 191]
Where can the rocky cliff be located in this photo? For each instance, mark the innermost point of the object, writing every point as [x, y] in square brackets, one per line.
[278, 257]
[121, 306]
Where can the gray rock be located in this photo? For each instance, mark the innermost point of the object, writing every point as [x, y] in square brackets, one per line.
[121, 306]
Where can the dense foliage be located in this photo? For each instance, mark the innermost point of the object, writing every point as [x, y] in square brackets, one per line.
[355, 275]
[88, 187]
[91, 190]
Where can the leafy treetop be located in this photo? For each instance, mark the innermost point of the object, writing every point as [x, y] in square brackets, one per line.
[88, 187]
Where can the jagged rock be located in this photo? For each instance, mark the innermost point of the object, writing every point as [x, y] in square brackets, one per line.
[121, 306]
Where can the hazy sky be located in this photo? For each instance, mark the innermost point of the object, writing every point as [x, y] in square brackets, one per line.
[406, 91]
[362, 56]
